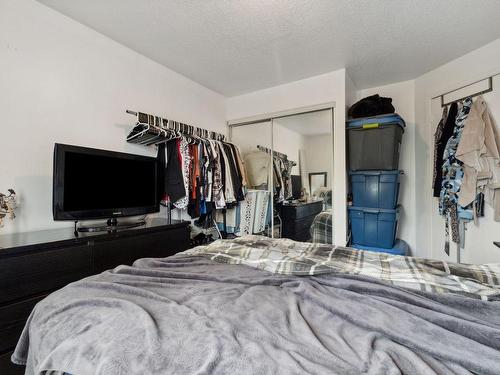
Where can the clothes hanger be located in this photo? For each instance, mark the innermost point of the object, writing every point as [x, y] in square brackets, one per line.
[196, 135]
[161, 133]
[152, 134]
[178, 129]
[135, 137]
[170, 133]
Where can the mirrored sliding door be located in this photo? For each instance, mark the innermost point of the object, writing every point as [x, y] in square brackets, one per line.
[253, 215]
[303, 164]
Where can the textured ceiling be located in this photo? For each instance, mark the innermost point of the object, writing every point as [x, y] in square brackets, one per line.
[234, 47]
[314, 123]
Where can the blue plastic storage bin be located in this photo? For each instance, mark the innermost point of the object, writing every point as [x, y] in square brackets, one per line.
[373, 226]
[399, 248]
[375, 189]
[374, 142]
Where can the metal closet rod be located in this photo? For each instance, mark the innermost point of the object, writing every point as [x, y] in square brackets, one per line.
[489, 89]
[196, 130]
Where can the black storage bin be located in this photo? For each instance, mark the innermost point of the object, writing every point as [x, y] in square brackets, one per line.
[374, 142]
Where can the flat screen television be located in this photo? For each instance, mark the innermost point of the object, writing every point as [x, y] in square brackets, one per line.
[97, 184]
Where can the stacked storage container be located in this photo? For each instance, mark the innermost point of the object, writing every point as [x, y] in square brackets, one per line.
[374, 144]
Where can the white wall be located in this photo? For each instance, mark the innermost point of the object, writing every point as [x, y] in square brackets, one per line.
[474, 66]
[351, 91]
[330, 87]
[403, 99]
[63, 82]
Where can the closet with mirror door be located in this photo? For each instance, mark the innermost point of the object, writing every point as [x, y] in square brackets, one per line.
[289, 163]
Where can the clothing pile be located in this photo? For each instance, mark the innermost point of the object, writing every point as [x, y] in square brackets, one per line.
[373, 105]
[466, 165]
[202, 174]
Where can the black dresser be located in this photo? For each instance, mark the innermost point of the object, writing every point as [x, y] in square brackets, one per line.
[297, 219]
[34, 264]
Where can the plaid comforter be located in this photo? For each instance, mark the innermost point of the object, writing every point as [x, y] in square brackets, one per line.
[288, 257]
[322, 228]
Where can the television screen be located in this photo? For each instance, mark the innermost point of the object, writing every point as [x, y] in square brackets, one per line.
[93, 184]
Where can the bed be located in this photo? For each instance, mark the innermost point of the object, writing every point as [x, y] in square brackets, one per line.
[255, 305]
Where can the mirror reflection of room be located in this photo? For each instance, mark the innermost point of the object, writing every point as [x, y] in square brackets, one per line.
[306, 213]
[292, 196]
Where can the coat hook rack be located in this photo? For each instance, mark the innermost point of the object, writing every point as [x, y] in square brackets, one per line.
[489, 89]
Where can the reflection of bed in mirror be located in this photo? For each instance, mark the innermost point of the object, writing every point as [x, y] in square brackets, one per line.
[322, 228]
[322, 224]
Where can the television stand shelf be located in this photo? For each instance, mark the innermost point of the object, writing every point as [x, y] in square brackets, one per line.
[34, 264]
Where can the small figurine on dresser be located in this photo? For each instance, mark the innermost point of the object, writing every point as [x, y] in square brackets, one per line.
[7, 206]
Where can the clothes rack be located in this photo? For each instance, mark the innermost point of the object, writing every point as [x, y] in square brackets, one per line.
[489, 89]
[180, 127]
[155, 130]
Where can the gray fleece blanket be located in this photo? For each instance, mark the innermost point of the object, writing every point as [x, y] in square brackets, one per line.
[191, 315]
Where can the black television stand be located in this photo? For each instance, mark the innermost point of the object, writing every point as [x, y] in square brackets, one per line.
[110, 226]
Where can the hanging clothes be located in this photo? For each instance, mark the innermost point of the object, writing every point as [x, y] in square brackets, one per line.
[437, 137]
[174, 181]
[217, 181]
[261, 211]
[185, 157]
[229, 193]
[441, 137]
[251, 216]
[257, 165]
[162, 165]
[240, 184]
[479, 151]
[234, 176]
[279, 191]
[241, 166]
[452, 174]
[203, 175]
[452, 170]
[194, 178]
[287, 178]
[196, 173]
[247, 213]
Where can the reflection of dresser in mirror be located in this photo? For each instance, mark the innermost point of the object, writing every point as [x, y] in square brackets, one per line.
[297, 219]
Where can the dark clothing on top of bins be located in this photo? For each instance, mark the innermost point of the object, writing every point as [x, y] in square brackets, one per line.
[440, 144]
[371, 106]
